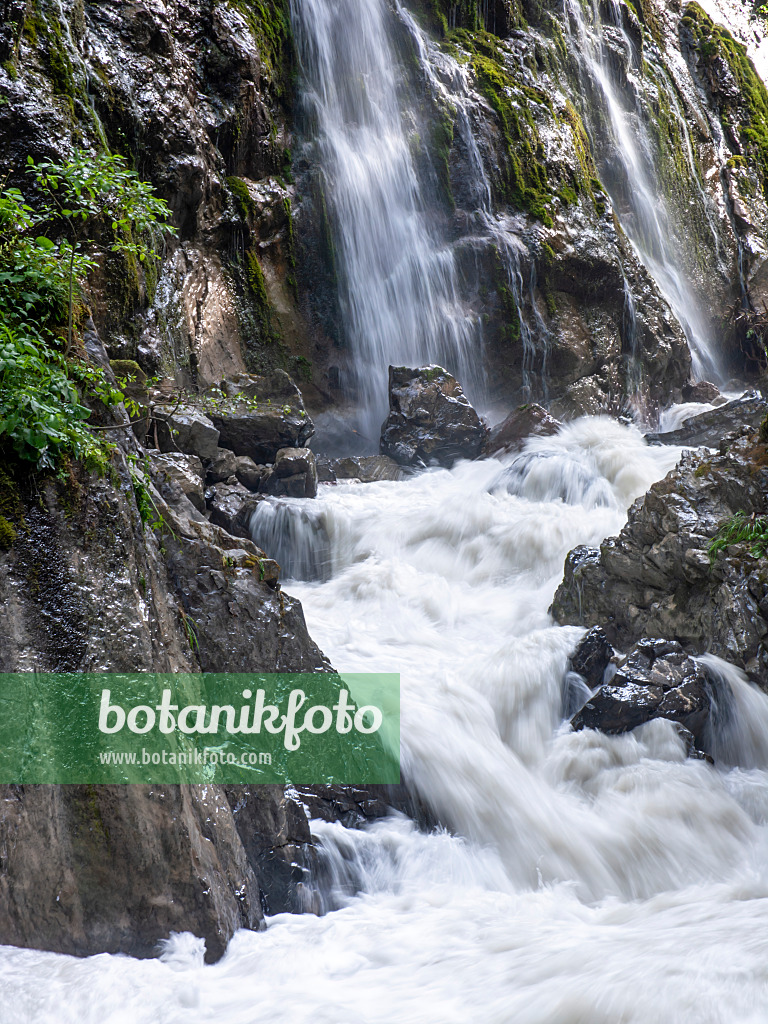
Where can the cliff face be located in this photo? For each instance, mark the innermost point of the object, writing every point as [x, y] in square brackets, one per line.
[201, 95]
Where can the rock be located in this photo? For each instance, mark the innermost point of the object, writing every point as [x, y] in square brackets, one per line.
[186, 430]
[657, 680]
[176, 474]
[248, 473]
[709, 429]
[293, 475]
[700, 391]
[265, 414]
[526, 421]
[221, 467]
[657, 578]
[592, 657]
[117, 868]
[430, 419]
[367, 469]
[225, 503]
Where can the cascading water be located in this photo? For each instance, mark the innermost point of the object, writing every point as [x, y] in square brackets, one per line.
[628, 157]
[398, 283]
[580, 865]
[587, 879]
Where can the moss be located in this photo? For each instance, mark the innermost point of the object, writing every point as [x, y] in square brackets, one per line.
[11, 70]
[242, 197]
[270, 24]
[440, 16]
[442, 141]
[128, 369]
[750, 113]
[257, 287]
[8, 534]
[511, 326]
[524, 181]
[11, 511]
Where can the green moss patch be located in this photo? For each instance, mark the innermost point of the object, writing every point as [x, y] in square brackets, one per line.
[748, 117]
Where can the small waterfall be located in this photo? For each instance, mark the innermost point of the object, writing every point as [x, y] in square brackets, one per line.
[398, 284]
[628, 158]
[292, 532]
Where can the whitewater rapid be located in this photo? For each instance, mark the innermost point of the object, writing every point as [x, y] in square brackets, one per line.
[580, 879]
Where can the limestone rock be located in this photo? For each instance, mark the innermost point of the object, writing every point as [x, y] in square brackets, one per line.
[592, 657]
[187, 430]
[657, 577]
[293, 475]
[430, 419]
[177, 474]
[221, 467]
[524, 422]
[711, 427]
[264, 414]
[367, 469]
[657, 680]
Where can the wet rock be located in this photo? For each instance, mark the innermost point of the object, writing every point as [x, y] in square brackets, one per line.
[248, 473]
[709, 429]
[592, 657]
[293, 475]
[264, 414]
[225, 502]
[430, 419]
[526, 421]
[179, 475]
[700, 391]
[186, 430]
[366, 469]
[657, 577]
[221, 467]
[657, 680]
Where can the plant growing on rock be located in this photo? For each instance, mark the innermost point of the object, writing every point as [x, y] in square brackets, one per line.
[43, 414]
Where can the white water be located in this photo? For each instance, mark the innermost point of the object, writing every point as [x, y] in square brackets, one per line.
[628, 170]
[397, 282]
[590, 879]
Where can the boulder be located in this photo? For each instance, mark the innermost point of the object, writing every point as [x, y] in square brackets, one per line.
[187, 430]
[177, 475]
[222, 467]
[248, 473]
[526, 421]
[367, 469]
[659, 577]
[592, 657]
[709, 429]
[430, 419]
[657, 680]
[293, 475]
[700, 391]
[225, 503]
[262, 415]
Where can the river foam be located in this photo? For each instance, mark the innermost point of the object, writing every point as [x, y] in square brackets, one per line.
[579, 878]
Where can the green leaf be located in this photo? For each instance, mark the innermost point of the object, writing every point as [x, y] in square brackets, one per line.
[44, 243]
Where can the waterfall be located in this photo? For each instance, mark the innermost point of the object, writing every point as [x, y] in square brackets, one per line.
[627, 155]
[398, 283]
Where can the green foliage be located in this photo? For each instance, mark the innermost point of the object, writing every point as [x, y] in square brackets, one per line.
[742, 529]
[750, 113]
[43, 390]
[257, 287]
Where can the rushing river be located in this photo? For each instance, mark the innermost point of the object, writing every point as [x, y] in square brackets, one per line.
[584, 878]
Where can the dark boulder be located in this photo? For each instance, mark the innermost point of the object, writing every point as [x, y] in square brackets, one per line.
[430, 419]
[294, 474]
[592, 657]
[526, 421]
[262, 415]
[367, 469]
[657, 680]
[700, 391]
[709, 429]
